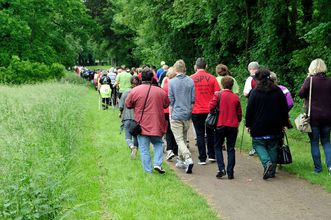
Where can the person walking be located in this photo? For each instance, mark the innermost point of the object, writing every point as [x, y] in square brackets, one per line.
[172, 147]
[222, 70]
[181, 110]
[266, 119]
[320, 116]
[205, 86]
[149, 103]
[127, 118]
[105, 90]
[227, 125]
[123, 81]
[250, 84]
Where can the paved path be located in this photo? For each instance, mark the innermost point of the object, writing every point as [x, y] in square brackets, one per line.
[248, 196]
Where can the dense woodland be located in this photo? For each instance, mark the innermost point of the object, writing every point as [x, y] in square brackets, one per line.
[283, 35]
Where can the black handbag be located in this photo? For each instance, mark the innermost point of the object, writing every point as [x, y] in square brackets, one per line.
[212, 117]
[135, 130]
[284, 155]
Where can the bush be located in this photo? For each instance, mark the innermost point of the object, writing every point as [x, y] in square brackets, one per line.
[20, 72]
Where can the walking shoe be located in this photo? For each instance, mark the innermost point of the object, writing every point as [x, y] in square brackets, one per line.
[212, 160]
[170, 155]
[230, 177]
[267, 171]
[202, 163]
[189, 165]
[252, 152]
[180, 164]
[220, 174]
[159, 169]
[133, 152]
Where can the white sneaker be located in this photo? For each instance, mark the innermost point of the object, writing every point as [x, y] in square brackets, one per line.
[252, 152]
[133, 152]
[170, 155]
[202, 163]
[212, 160]
[180, 164]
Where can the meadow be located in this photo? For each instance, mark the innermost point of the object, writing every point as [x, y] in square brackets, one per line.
[62, 158]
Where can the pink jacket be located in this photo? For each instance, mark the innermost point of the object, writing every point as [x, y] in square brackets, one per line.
[153, 121]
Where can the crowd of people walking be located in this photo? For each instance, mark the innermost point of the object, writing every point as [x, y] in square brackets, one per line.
[163, 104]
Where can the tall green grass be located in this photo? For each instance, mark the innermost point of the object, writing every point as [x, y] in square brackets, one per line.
[302, 165]
[38, 131]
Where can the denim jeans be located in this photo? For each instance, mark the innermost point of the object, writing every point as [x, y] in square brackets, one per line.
[170, 138]
[145, 156]
[320, 133]
[231, 135]
[200, 130]
[267, 151]
[130, 140]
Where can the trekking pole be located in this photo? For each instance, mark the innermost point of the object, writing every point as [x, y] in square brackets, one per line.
[242, 138]
[99, 102]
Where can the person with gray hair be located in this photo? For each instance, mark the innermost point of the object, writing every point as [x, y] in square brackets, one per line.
[181, 96]
[250, 84]
[320, 117]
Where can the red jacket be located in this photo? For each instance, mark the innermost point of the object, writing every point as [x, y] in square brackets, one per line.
[230, 109]
[166, 89]
[205, 86]
[153, 121]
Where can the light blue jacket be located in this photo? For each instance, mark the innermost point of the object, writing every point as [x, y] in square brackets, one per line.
[181, 95]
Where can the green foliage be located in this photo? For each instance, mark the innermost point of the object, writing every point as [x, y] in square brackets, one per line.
[43, 31]
[40, 128]
[19, 72]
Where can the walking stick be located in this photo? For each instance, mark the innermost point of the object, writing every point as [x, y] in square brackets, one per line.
[99, 102]
[242, 138]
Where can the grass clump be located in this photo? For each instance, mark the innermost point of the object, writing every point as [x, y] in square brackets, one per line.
[38, 131]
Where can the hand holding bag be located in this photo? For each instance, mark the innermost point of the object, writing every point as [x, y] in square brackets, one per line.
[136, 129]
[212, 117]
[302, 122]
[284, 155]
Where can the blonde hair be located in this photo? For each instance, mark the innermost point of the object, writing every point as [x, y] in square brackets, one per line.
[316, 66]
[179, 66]
[171, 73]
[273, 77]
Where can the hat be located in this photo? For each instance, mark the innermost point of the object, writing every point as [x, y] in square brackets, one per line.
[162, 63]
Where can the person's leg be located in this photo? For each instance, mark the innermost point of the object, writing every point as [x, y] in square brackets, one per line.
[158, 150]
[199, 126]
[128, 136]
[210, 140]
[315, 151]
[325, 140]
[145, 156]
[260, 147]
[231, 137]
[272, 146]
[177, 128]
[219, 140]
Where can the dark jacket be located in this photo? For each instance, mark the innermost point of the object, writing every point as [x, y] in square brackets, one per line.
[320, 99]
[266, 113]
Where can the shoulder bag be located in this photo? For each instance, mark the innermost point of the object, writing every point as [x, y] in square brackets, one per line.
[135, 129]
[302, 122]
[212, 117]
[284, 155]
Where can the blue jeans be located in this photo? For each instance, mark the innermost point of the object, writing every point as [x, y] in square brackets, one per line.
[231, 135]
[145, 156]
[130, 139]
[320, 133]
[200, 130]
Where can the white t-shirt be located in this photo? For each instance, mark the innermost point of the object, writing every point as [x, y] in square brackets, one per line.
[248, 85]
